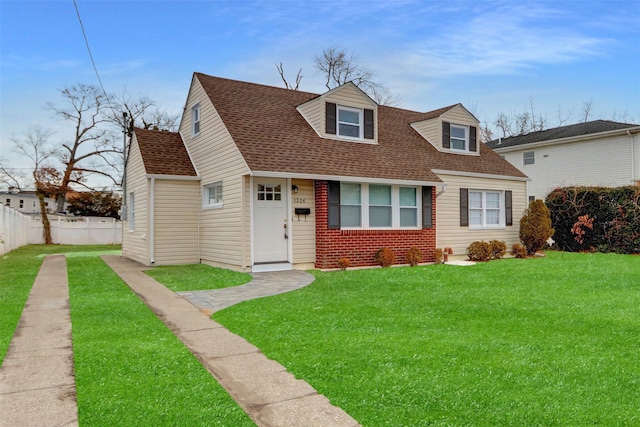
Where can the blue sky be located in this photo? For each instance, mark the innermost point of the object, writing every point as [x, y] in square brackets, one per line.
[493, 56]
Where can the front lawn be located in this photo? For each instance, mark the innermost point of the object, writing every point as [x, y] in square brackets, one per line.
[197, 277]
[548, 341]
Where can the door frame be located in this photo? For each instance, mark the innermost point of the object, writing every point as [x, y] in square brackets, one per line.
[288, 203]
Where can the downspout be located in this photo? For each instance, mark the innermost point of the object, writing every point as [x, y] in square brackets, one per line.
[633, 157]
[152, 231]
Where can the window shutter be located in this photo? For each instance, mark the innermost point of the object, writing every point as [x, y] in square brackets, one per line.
[330, 118]
[473, 146]
[508, 207]
[464, 207]
[368, 124]
[446, 135]
[427, 207]
[333, 217]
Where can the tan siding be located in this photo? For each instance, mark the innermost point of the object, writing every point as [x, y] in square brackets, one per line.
[217, 158]
[134, 243]
[304, 229]
[449, 231]
[314, 113]
[176, 222]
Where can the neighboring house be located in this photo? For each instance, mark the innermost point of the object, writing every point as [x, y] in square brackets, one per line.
[262, 178]
[26, 201]
[596, 153]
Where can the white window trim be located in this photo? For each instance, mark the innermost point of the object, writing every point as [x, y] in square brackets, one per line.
[195, 110]
[529, 156]
[395, 208]
[501, 214]
[205, 196]
[360, 122]
[466, 138]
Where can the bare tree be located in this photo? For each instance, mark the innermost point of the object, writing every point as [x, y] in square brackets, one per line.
[280, 69]
[586, 110]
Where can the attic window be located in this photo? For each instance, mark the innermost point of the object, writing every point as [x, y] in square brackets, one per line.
[195, 119]
[459, 137]
[349, 122]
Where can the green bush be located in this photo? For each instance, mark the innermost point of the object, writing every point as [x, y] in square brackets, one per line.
[535, 227]
[414, 256]
[479, 251]
[498, 249]
[596, 218]
[385, 257]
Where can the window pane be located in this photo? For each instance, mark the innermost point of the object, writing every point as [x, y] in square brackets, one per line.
[475, 200]
[458, 132]
[349, 116]
[475, 217]
[349, 194]
[493, 217]
[408, 196]
[380, 216]
[408, 217]
[458, 144]
[379, 195]
[493, 200]
[350, 216]
[349, 130]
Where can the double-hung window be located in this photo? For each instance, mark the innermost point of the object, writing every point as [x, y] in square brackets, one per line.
[459, 138]
[349, 122]
[485, 209]
[195, 119]
[529, 157]
[213, 195]
[408, 207]
[380, 205]
[350, 205]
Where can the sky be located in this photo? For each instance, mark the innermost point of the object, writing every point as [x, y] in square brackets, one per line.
[492, 56]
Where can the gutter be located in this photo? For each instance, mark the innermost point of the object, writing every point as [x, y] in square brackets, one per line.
[152, 231]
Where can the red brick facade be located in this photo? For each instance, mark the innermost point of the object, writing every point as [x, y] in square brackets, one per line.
[360, 246]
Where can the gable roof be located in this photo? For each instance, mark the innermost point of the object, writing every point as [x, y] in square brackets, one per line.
[272, 136]
[569, 131]
[164, 153]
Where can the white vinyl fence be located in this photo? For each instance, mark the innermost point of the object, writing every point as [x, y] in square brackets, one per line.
[78, 230]
[14, 229]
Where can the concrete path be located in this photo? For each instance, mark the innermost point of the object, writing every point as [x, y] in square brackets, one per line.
[262, 285]
[37, 383]
[269, 394]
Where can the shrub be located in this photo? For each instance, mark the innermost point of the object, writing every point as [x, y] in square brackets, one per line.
[414, 256]
[343, 263]
[439, 256]
[498, 249]
[518, 250]
[479, 251]
[385, 257]
[535, 227]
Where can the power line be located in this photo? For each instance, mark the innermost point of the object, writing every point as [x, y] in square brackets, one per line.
[86, 42]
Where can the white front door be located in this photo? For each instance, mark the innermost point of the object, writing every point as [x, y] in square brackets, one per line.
[270, 237]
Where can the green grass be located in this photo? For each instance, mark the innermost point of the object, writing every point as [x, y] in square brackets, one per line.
[551, 341]
[130, 369]
[197, 277]
[18, 271]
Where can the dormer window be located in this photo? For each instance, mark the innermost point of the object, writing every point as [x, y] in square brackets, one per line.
[349, 122]
[459, 137]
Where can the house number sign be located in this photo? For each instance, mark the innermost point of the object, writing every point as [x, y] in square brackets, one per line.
[299, 200]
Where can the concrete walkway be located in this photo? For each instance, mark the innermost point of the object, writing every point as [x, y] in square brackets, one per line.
[37, 383]
[269, 394]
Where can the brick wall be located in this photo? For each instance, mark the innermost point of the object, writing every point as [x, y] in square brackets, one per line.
[360, 246]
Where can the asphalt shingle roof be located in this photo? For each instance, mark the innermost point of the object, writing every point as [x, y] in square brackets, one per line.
[273, 136]
[579, 129]
[164, 153]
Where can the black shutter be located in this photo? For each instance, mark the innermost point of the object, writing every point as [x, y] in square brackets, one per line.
[427, 207]
[333, 220]
[508, 207]
[368, 124]
[446, 135]
[464, 207]
[472, 139]
[330, 118]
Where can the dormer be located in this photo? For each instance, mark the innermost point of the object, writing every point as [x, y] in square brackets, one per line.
[451, 130]
[345, 113]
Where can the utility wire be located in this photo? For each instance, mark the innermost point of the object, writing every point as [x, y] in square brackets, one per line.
[86, 42]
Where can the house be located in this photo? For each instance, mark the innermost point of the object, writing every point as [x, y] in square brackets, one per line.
[595, 153]
[26, 201]
[260, 178]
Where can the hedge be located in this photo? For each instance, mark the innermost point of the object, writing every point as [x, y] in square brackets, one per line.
[599, 219]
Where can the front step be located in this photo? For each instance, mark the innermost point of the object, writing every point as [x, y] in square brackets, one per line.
[271, 266]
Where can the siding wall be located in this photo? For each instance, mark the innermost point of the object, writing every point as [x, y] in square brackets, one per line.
[360, 246]
[451, 234]
[601, 162]
[176, 222]
[223, 237]
[134, 243]
[303, 228]
[432, 129]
